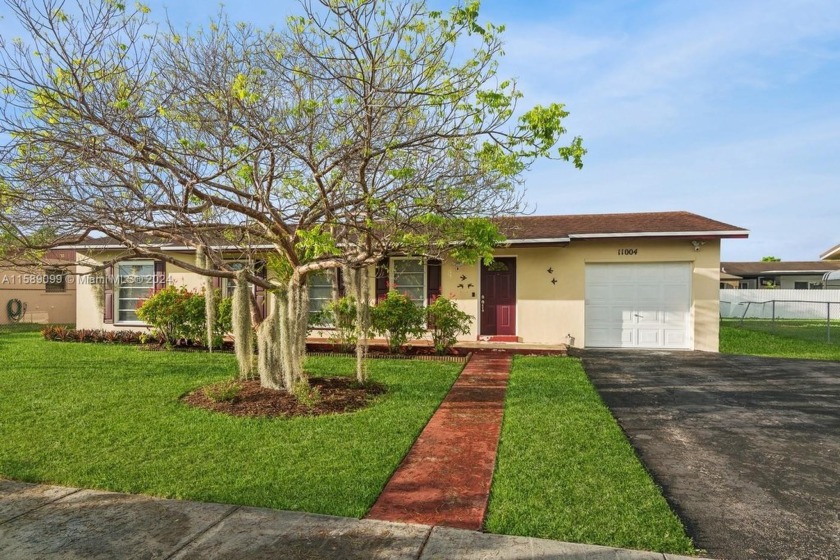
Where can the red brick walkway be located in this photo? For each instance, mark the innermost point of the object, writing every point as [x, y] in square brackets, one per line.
[445, 478]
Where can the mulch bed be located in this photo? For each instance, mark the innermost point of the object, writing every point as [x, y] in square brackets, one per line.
[337, 395]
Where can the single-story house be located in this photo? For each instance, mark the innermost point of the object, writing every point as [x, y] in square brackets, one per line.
[785, 275]
[641, 280]
[38, 293]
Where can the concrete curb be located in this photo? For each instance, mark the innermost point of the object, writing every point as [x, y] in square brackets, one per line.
[39, 521]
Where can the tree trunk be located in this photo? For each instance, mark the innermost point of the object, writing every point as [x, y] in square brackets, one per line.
[294, 321]
[242, 330]
[209, 298]
[270, 349]
[362, 292]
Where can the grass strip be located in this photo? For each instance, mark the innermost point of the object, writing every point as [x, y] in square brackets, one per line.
[566, 471]
[806, 342]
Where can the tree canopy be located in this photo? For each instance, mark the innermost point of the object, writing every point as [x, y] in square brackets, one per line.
[358, 130]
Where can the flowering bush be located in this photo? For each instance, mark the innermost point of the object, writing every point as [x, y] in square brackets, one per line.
[178, 314]
[397, 318]
[446, 322]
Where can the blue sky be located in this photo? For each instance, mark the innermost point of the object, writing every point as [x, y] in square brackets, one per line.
[727, 109]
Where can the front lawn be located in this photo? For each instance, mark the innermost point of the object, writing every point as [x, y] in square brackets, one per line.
[566, 471]
[786, 339]
[109, 417]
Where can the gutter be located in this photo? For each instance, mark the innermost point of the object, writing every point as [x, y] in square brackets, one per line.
[740, 233]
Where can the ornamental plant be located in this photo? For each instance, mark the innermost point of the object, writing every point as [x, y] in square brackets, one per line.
[398, 319]
[341, 314]
[446, 322]
[168, 312]
[178, 314]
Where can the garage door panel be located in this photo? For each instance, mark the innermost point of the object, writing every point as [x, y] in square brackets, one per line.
[675, 338]
[649, 337]
[639, 305]
[649, 291]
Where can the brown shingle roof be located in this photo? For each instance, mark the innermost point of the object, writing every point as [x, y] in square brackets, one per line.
[525, 228]
[784, 267]
[642, 223]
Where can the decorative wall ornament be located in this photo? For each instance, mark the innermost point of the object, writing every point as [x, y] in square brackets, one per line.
[554, 281]
[550, 270]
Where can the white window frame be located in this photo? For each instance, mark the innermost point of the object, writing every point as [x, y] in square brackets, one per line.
[329, 274]
[227, 285]
[424, 263]
[118, 289]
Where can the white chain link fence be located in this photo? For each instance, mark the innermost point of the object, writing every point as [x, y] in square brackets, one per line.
[810, 314]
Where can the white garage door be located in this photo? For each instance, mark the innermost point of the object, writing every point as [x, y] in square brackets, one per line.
[638, 305]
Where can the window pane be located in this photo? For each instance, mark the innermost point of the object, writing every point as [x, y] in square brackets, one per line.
[55, 280]
[410, 279]
[320, 290]
[135, 283]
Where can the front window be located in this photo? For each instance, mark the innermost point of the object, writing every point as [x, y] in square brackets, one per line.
[408, 276]
[230, 283]
[135, 281]
[320, 285]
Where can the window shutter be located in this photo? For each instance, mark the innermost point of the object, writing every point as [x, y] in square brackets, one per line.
[434, 276]
[382, 279]
[339, 280]
[108, 289]
[259, 291]
[160, 276]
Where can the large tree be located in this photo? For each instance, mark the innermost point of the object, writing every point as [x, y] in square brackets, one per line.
[361, 129]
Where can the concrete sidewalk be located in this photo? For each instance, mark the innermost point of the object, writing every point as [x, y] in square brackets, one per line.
[38, 521]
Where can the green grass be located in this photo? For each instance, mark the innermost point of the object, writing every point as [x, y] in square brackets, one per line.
[803, 339]
[108, 417]
[20, 328]
[566, 471]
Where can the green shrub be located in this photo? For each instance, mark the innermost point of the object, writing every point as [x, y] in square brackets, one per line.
[178, 314]
[306, 395]
[227, 391]
[446, 322]
[341, 314]
[168, 312]
[398, 319]
[224, 321]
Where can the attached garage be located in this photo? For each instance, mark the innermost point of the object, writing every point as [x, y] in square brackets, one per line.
[638, 305]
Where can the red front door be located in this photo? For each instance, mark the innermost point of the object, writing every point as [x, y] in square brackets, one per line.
[498, 297]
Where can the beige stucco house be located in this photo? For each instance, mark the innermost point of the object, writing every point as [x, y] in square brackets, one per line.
[45, 292]
[645, 280]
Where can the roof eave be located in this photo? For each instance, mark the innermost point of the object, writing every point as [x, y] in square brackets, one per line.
[833, 252]
[743, 234]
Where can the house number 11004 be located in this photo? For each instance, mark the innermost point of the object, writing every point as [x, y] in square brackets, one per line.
[628, 251]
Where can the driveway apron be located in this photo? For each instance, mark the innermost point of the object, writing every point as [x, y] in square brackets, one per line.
[747, 449]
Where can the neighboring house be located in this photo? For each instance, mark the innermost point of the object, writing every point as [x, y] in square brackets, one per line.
[47, 294]
[646, 280]
[832, 254]
[832, 279]
[785, 275]
[729, 281]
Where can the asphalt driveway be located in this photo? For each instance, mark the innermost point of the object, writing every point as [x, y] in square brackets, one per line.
[746, 449]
